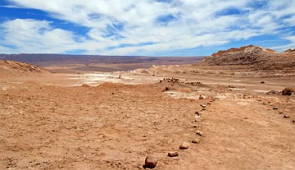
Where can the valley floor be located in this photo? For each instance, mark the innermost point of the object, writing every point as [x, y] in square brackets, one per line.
[114, 120]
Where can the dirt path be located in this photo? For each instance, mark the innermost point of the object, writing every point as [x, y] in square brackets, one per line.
[243, 134]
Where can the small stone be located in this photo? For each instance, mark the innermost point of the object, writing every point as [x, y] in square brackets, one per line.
[286, 116]
[281, 113]
[150, 162]
[201, 97]
[262, 82]
[275, 108]
[199, 133]
[184, 145]
[203, 105]
[173, 154]
[198, 113]
[166, 89]
[293, 121]
[196, 141]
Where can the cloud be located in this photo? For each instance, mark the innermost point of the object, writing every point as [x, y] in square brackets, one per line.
[143, 27]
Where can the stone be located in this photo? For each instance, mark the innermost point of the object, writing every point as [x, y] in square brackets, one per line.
[203, 105]
[173, 154]
[201, 97]
[199, 133]
[293, 121]
[184, 145]
[287, 92]
[286, 116]
[198, 113]
[196, 141]
[150, 162]
[166, 89]
[275, 108]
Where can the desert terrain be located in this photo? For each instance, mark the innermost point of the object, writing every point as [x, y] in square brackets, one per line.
[232, 110]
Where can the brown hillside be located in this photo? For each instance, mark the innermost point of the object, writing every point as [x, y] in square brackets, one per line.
[15, 68]
[253, 56]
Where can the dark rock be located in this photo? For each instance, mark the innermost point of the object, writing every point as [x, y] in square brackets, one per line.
[150, 162]
[173, 154]
[198, 113]
[286, 116]
[287, 92]
[199, 133]
[166, 89]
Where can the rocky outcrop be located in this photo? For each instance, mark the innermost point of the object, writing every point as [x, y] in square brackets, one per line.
[253, 56]
[7, 66]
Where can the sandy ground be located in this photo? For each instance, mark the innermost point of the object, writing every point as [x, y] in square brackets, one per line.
[56, 121]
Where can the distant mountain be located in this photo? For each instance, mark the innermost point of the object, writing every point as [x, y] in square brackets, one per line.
[95, 62]
[253, 56]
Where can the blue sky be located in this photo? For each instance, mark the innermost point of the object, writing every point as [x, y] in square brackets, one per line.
[144, 27]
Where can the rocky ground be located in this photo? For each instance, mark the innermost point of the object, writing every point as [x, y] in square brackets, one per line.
[178, 117]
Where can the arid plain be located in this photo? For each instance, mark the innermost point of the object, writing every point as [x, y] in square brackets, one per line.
[232, 110]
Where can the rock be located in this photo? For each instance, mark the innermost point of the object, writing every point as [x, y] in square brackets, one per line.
[184, 145]
[197, 140]
[166, 89]
[293, 121]
[197, 118]
[199, 133]
[150, 162]
[262, 82]
[287, 92]
[173, 154]
[198, 113]
[286, 116]
[203, 105]
[201, 97]
[275, 108]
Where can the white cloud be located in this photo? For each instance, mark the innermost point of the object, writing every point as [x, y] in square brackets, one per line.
[196, 24]
[34, 36]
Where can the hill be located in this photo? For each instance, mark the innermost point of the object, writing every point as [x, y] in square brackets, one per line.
[8, 68]
[254, 57]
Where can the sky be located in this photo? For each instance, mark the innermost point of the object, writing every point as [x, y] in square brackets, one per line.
[144, 27]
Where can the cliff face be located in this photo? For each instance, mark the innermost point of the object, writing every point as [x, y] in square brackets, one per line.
[253, 56]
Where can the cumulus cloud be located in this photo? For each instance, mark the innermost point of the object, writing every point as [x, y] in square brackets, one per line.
[141, 27]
